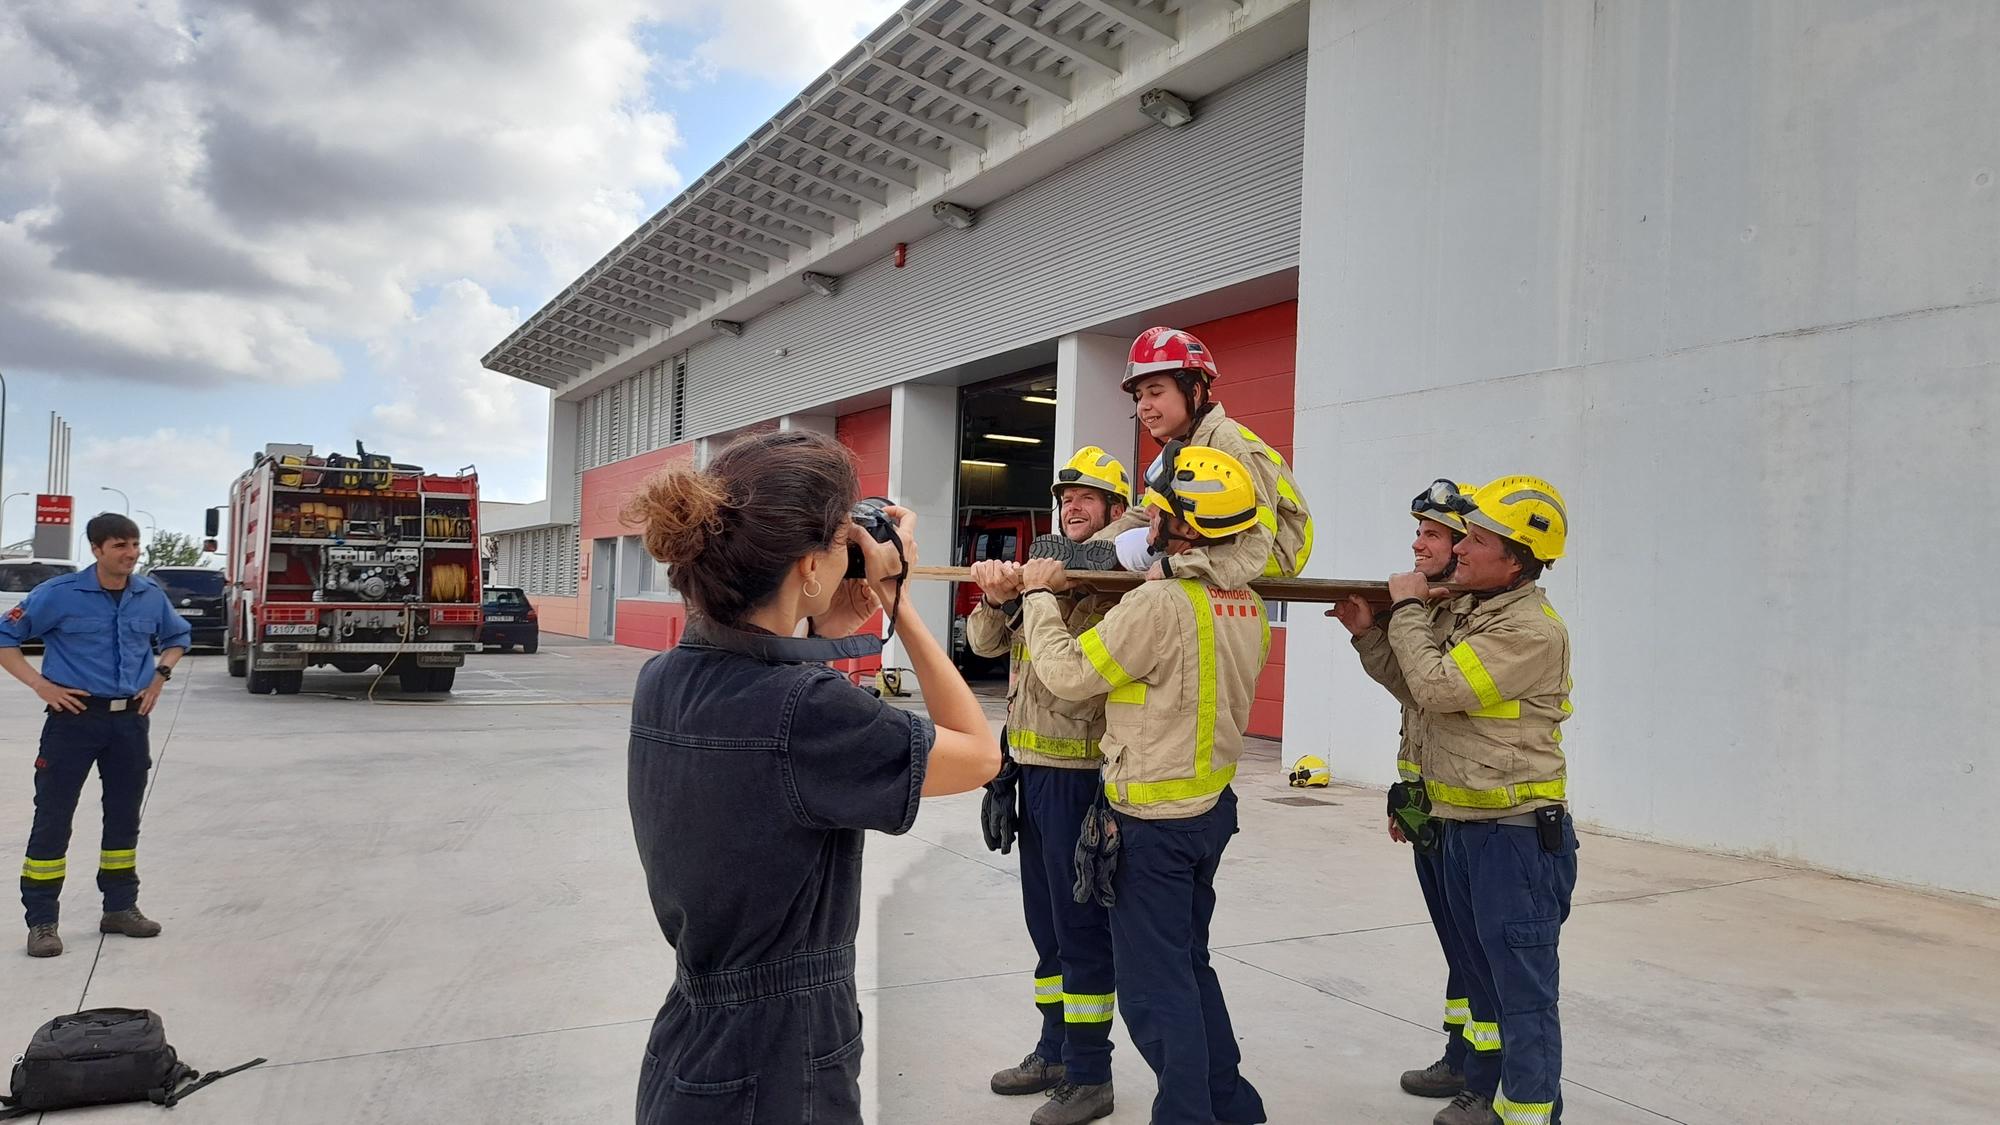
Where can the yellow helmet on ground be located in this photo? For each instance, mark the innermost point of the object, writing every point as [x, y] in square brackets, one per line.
[1309, 772]
[1094, 468]
[1527, 510]
[1444, 502]
[1205, 487]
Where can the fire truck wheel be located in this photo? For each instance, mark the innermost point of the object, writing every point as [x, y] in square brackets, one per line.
[441, 678]
[239, 667]
[260, 683]
[288, 683]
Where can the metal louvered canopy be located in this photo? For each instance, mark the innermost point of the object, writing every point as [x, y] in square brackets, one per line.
[932, 93]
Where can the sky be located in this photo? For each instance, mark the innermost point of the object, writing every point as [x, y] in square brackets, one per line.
[231, 222]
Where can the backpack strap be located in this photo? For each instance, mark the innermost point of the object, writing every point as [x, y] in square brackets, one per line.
[171, 1096]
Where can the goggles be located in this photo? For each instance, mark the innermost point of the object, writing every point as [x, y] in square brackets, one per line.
[1442, 496]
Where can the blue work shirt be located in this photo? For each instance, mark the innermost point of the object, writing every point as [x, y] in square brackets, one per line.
[91, 641]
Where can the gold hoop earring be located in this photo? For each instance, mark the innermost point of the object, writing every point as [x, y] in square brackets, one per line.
[812, 587]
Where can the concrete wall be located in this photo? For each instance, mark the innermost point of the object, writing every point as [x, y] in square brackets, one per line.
[1726, 273]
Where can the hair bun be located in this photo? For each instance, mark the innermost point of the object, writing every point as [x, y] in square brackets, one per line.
[681, 511]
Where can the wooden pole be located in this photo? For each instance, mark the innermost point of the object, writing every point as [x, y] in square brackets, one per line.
[1272, 589]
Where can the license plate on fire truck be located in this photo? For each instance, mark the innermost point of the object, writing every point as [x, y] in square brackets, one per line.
[291, 630]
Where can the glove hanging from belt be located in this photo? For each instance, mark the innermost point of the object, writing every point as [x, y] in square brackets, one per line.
[1000, 808]
[1097, 856]
[1410, 807]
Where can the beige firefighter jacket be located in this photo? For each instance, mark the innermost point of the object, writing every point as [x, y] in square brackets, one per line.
[1379, 661]
[1180, 662]
[1493, 696]
[1282, 540]
[1043, 729]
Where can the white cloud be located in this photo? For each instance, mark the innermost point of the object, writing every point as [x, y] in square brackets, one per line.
[448, 409]
[171, 475]
[786, 41]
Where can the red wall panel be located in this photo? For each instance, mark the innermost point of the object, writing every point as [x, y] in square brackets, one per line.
[607, 487]
[865, 433]
[644, 623]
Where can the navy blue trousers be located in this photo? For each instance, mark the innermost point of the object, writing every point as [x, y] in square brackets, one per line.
[116, 743]
[1430, 877]
[1508, 899]
[1074, 983]
[1172, 1001]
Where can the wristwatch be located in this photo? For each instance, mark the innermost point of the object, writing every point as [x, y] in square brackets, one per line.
[166, 671]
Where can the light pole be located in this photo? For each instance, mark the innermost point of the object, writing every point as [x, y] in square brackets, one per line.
[152, 525]
[121, 496]
[3, 431]
[3, 512]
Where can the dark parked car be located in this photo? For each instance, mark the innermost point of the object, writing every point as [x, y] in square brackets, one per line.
[510, 620]
[196, 594]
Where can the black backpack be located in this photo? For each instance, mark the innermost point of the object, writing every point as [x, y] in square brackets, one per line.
[101, 1056]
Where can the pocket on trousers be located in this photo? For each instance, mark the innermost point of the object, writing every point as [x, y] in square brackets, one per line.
[710, 1103]
[1533, 932]
[836, 1086]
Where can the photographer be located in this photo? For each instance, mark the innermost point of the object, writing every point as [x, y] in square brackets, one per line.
[754, 767]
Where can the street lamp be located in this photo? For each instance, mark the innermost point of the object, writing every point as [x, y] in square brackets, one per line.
[121, 496]
[3, 506]
[152, 525]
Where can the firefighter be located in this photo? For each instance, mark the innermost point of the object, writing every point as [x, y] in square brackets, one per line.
[1171, 378]
[1494, 694]
[1179, 660]
[1439, 528]
[99, 628]
[1055, 742]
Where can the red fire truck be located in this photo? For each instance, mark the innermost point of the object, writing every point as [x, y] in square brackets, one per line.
[354, 562]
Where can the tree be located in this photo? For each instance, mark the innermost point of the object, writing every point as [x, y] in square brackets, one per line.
[171, 548]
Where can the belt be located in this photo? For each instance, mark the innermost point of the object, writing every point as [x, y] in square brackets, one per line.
[1524, 820]
[801, 972]
[123, 703]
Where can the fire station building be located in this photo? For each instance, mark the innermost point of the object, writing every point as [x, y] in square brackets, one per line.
[1727, 274]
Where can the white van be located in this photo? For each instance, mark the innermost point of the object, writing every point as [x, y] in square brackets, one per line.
[18, 576]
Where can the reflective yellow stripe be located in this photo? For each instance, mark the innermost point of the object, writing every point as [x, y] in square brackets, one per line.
[43, 870]
[1048, 990]
[1475, 674]
[1551, 611]
[1482, 1036]
[1053, 747]
[1206, 779]
[1264, 619]
[1268, 518]
[1409, 770]
[1085, 1008]
[1505, 797]
[1101, 659]
[1134, 693]
[1305, 548]
[1505, 709]
[1250, 436]
[1021, 655]
[1457, 1012]
[1153, 792]
[1568, 709]
[1523, 1113]
[117, 860]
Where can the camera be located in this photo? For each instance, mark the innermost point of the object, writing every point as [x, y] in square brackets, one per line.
[875, 521]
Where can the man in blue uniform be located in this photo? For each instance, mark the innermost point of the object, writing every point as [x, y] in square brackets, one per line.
[99, 681]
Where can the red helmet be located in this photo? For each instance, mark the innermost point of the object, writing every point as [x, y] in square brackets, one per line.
[1168, 351]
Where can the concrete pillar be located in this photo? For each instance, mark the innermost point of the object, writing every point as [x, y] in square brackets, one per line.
[822, 423]
[562, 461]
[1090, 408]
[923, 477]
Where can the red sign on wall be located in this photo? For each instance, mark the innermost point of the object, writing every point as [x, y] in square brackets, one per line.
[53, 509]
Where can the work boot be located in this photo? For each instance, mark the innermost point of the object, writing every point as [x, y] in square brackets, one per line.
[1034, 1075]
[1468, 1108]
[1075, 556]
[131, 923]
[43, 941]
[1437, 1080]
[1071, 1104]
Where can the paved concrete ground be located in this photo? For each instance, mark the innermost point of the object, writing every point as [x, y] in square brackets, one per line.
[432, 912]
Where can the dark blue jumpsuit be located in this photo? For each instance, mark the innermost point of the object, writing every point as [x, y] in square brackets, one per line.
[751, 781]
[101, 642]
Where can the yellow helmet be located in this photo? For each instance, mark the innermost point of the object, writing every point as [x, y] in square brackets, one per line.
[1097, 469]
[1309, 772]
[1443, 502]
[1206, 487]
[1527, 510]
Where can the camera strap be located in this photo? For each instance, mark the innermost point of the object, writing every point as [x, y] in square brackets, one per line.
[773, 649]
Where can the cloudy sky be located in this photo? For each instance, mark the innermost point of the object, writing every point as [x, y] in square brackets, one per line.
[227, 222]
